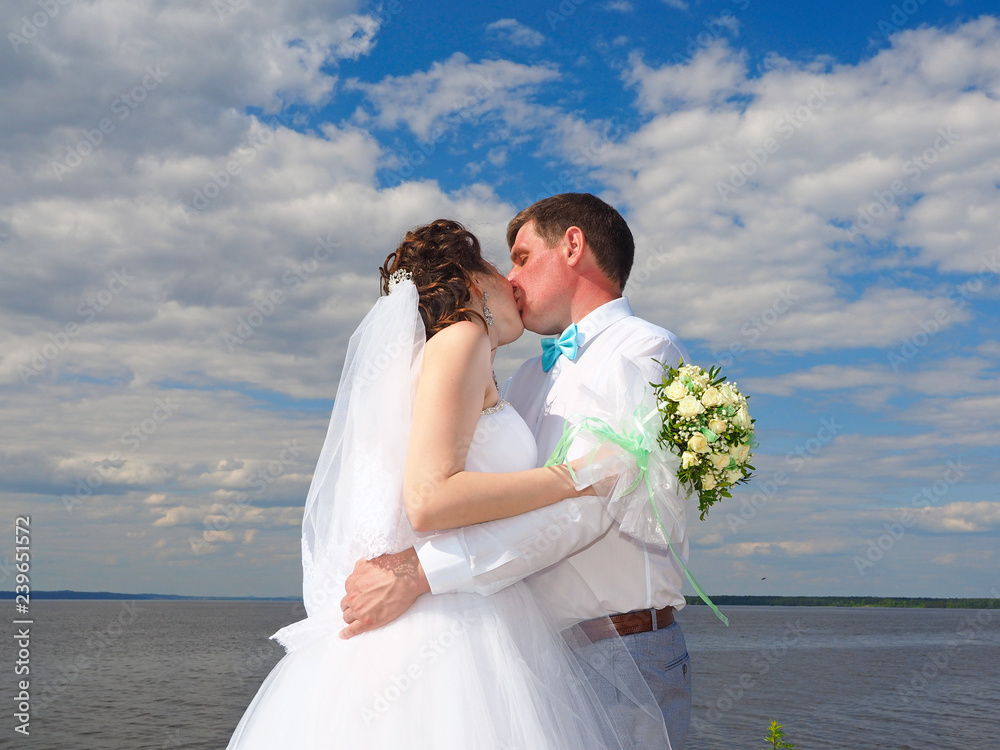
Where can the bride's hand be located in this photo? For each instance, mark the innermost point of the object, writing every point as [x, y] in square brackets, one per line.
[601, 470]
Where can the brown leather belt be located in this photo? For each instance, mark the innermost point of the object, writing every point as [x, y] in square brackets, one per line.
[630, 623]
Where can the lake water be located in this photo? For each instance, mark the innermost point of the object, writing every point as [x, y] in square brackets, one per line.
[152, 674]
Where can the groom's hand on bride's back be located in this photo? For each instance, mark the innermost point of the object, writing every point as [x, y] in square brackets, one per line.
[380, 590]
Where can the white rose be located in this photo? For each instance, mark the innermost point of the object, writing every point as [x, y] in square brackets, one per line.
[711, 397]
[742, 418]
[689, 406]
[734, 476]
[729, 396]
[676, 390]
[695, 373]
[717, 426]
[720, 461]
[688, 459]
[698, 443]
[708, 482]
[740, 453]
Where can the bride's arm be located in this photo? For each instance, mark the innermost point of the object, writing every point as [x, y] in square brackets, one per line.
[437, 491]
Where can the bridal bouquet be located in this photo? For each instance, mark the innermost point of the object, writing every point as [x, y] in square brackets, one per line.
[707, 424]
[650, 446]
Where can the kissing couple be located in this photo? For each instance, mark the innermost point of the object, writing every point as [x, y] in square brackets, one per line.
[490, 601]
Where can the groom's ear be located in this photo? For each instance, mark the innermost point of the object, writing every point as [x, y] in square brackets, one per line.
[575, 244]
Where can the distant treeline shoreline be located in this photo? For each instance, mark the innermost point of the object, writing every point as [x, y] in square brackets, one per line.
[722, 599]
[166, 597]
[852, 601]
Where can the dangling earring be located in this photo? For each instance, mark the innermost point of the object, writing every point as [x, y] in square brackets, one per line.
[487, 313]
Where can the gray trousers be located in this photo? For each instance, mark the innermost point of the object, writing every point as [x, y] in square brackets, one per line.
[663, 661]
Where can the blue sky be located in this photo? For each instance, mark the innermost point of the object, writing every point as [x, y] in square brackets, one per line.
[196, 196]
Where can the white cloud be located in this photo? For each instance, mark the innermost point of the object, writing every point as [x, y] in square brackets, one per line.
[791, 549]
[968, 376]
[825, 378]
[725, 20]
[516, 33]
[714, 74]
[453, 92]
[976, 558]
[953, 518]
[221, 516]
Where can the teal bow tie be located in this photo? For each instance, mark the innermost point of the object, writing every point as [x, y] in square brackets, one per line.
[552, 348]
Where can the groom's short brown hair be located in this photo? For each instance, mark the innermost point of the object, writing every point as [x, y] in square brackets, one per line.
[603, 227]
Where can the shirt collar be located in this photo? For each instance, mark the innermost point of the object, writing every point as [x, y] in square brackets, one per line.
[602, 318]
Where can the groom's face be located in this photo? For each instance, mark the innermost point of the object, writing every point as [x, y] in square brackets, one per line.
[540, 278]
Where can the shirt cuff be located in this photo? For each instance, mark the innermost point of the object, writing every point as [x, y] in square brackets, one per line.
[445, 565]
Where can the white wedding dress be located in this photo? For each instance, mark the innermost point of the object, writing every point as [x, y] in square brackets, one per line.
[455, 672]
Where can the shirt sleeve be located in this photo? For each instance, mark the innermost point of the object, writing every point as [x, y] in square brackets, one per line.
[490, 556]
[648, 352]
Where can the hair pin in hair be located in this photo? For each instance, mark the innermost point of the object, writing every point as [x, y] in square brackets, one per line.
[398, 276]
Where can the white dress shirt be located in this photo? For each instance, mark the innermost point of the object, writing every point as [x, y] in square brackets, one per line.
[575, 538]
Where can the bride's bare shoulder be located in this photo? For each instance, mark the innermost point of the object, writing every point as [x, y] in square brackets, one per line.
[459, 340]
[457, 365]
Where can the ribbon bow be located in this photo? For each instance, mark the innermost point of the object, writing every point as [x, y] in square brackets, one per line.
[566, 345]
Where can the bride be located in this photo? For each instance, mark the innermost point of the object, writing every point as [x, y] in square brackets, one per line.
[420, 441]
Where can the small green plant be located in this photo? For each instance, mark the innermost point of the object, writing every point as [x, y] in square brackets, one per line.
[776, 737]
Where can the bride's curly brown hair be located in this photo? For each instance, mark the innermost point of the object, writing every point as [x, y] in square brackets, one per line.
[442, 256]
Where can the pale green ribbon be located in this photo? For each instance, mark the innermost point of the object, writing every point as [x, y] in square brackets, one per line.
[639, 444]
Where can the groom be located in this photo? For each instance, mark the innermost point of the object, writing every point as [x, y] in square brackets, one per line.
[571, 256]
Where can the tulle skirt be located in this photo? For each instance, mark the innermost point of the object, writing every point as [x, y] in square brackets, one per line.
[455, 672]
